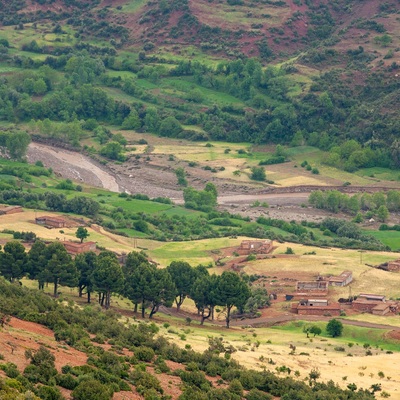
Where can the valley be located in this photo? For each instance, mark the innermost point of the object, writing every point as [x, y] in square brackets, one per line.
[200, 200]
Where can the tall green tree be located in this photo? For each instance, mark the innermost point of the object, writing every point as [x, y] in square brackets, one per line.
[139, 284]
[85, 264]
[107, 277]
[135, 261]
[60, 269]
[204, 295]
[13, 261]
[231, 292]
[183, 276]
[163, 290]
[37, 263]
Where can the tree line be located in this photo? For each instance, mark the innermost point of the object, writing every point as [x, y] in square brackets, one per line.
[378, 204]
[138, 279]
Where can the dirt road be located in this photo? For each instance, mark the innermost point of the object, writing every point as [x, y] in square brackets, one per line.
[277, 320]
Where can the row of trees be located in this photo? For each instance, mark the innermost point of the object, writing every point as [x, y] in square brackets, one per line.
[378, 203]
[139, 280]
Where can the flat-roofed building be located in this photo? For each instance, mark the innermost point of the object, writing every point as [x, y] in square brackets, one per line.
[255, 246]
[54, 222]
[342, 280]
[6, 210]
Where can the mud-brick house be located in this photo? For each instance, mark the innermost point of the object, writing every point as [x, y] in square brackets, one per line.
[77, 248]
[393, 266]
[367, 302]
[255, 247]
[316, 307]
[317, 288]
[371, 297]
[385, 308]
[6, 210]
[363, 305]
[50, 221]
[343, 279]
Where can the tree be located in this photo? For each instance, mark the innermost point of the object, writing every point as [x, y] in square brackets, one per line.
[170, 127]
[132, 121]
[107, 277]
[131, 271]
[37, 262]
[231, 291]
[85, 264]
[42, 366]
[204, 295]
[258, 174]
[334, 328]
[13, 261]
[82, 233]
[151, 120]
[181, 175]
[183, 276]
[59, 269]
[113, 151]
[162, 292]
[138, 284]
[92, 389]
[17, 144]
[315, 330]
[382, 213]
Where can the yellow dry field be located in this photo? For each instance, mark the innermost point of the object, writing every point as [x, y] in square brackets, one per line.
[200, 152]
[318, 353]
[333, 261]
[25, 221]
[298, 180]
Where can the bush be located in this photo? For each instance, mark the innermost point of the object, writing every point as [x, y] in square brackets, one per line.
[144, 354]
[92, 390]
[255, 394]
[258, 174]
[67, 381]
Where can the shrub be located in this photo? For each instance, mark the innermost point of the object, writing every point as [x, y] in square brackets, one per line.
[258, 174]
[92, 390]
[144, 354]
[67, 381]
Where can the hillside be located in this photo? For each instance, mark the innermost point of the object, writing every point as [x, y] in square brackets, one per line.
[292, 72]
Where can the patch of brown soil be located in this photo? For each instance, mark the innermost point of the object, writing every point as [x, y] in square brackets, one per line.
[17, 336]
[393, 335]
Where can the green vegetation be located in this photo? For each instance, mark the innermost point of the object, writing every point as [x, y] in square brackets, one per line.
[334, 328]
[107, 371]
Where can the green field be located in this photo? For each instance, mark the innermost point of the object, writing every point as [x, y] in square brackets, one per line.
[390, 238]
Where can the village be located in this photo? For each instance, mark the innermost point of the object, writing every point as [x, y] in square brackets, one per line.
[315, 297]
